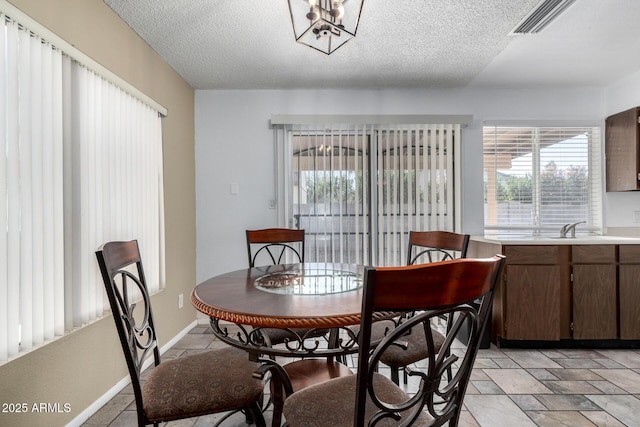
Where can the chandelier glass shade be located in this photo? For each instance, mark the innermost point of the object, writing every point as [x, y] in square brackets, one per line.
[325, 25]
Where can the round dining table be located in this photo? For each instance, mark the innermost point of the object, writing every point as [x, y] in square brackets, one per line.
[315, 304]
[300, 298]
[284, 296]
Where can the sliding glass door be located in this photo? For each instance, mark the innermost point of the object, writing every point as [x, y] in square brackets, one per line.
[359, 189]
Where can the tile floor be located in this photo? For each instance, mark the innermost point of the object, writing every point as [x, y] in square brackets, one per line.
[509, 387]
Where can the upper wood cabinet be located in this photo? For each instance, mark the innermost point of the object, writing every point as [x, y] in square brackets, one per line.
[622, 150]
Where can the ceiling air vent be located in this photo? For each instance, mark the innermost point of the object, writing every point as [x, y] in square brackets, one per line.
[545, 12]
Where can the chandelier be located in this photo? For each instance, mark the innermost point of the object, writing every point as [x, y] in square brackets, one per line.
[325, 25]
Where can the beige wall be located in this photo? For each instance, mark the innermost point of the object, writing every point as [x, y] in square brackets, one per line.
[82, 366]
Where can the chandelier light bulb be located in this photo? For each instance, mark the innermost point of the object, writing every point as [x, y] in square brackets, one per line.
[313, 14]
[337, 10]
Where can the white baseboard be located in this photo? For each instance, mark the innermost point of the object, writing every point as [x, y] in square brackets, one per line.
[117, 388]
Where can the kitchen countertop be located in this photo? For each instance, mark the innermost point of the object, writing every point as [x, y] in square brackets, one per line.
[523, 239]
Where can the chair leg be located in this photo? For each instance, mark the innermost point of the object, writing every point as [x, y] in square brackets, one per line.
[278, 401]
[256, 414]
[395, 375]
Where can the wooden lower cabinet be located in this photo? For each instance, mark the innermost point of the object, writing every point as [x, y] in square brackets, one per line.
[595, 310]
[594, 289]
[534, 293]
[533, 302]
[566, 292]
[629, 292]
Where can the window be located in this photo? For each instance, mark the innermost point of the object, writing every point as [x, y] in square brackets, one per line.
[80, 164]
[537, 179]
[358, 188]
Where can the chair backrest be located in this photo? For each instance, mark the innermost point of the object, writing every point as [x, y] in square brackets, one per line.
[434, 246]
[279, 244]
[126, 287]
[440, 288]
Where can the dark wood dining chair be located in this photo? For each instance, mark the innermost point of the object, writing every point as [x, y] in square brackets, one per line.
[278, 246]
[430, 246]
[431, 290]
[210, 382]
[424, 247]
[275, 246]
[283, 245]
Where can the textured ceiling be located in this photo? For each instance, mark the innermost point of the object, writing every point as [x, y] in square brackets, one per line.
[249, 44]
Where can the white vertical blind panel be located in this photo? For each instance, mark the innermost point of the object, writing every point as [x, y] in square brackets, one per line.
[57, 199]
[425, 178]
[343, 180]
[5, 322]
[82, 306]
[457, 180]
[366, 185]
[13, 190]
[395, 196]
[47, 136]
[90, 143]
[382, 180]
[402, 170]
[389, 202]
[156, 125]
[26, 211]
[442, 197]
[414, 191]
[433, 179]
[359, 134]
[37, 303]
[318, 174]
[326, 193]
[366, 173]
[69, 201]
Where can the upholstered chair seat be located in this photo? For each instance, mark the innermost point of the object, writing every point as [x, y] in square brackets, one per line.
[397, 356]
[181, 388]
[308, 407]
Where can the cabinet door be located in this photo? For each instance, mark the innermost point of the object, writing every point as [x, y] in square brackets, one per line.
[630, 302]
[594, 302]
[621, 148]
[629, 282]
[533, 302]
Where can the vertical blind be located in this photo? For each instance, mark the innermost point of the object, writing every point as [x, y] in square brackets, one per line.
[331, 193]
[80, 164]
[540, 178]
[417, 188]
[31, 191]
[359, 188]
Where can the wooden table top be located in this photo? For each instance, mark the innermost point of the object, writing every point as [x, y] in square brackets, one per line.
[308, 295]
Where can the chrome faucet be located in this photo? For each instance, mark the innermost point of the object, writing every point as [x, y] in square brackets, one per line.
[570, 227]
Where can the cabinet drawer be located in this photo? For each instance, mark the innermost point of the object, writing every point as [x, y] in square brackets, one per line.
[602, 254]
[629, 254]
[531, 254]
